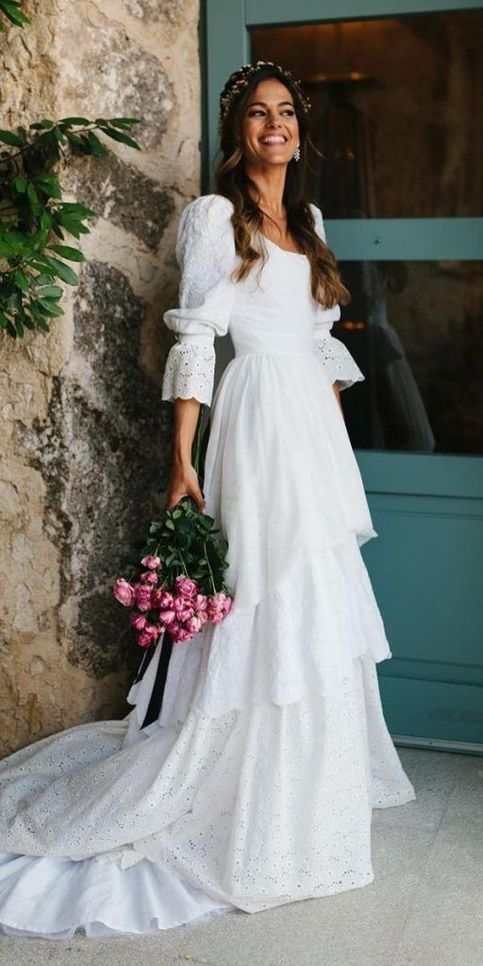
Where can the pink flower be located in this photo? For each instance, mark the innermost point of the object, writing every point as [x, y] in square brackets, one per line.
[143, 596]
[167, 617]
[152, 563]
[165, 599]
[219, 606]
[181, 635]
[123, 592]
[186, 586]
[193, 625]
[148, 635]
[182, 608]
[149, 577]
[139, 622]
[200, 603]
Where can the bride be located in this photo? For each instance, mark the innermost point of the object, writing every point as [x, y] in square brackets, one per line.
[255, 786]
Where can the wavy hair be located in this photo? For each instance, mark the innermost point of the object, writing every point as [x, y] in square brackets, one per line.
[233, 183]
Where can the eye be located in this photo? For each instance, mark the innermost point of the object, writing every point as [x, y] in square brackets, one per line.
[289, 111]
[255, 112]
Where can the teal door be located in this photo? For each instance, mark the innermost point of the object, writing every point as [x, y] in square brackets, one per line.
[396, 91]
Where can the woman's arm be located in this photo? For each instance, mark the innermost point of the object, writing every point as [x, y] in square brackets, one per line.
[184, 480]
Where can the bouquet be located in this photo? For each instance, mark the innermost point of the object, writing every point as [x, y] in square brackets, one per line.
[180, 585]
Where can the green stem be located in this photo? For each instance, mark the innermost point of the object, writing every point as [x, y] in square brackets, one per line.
[183, 562]
[209, 568]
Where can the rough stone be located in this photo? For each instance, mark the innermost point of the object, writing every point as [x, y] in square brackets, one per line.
[155, 9]
[127, 81]
[85, 437]
[127, 198]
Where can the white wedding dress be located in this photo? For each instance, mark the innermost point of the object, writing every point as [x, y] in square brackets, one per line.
[255, 786]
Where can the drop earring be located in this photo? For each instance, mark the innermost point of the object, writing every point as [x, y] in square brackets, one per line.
[296, 156]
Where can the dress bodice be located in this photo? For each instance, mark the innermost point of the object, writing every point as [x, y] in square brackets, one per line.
[270, 311]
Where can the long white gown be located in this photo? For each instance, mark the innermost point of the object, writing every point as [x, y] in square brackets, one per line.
[256, 785]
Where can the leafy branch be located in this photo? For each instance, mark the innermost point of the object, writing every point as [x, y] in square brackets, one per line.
[12, 10]
[33, 217]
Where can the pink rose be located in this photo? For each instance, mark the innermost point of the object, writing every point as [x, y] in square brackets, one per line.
[167, 617]
[149, 577]
[219, 606]
[152, 563]
[149, 635]
[143, 596]
[200, 603]
[182, 635]
[186, 586]
[165, 599]
[139, 622]
[182, 608]
[193, 625]
[123, 592]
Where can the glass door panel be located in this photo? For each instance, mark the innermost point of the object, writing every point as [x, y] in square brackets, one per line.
[397, 111]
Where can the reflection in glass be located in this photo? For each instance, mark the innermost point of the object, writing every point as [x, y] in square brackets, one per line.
[416, 331]
[397, 111]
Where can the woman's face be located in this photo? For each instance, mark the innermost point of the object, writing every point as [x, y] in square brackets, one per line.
[270, 130]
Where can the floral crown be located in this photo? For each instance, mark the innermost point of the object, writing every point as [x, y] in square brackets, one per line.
[240, 79]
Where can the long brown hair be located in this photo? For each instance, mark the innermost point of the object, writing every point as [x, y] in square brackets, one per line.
[233, 183]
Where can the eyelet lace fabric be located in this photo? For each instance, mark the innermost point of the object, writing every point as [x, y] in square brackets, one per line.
[337, 361]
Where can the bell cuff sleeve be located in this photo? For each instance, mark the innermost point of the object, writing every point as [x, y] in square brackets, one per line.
[336, 358]
[205, 251]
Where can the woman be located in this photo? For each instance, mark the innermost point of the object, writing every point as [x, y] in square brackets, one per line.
[255, 786]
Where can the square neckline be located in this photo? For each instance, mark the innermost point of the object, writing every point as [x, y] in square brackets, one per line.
[286, 251]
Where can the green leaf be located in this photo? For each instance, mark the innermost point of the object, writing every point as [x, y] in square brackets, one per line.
[62, 271]
[21, 280]
[41, 125]
[33, 199]
[125, 122]
[123, 138]
[82, 121]
[50, 308]
[3, 321]
[72, 254]
[19, 328]
[8, 137]
[49, 291]
[48, 185]
[11, 9]
[76, 140]
[97, 147]
[73, 208]
[20, 185]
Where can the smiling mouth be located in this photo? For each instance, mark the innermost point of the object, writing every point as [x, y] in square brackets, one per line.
[273, 139]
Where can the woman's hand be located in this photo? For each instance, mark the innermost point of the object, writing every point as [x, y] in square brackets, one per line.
[184, 482]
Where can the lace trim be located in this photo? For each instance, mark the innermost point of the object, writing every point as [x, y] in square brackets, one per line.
[338, 361]
[189, 372]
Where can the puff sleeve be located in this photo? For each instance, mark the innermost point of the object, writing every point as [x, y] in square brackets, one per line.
[205, 252]
[337, 360]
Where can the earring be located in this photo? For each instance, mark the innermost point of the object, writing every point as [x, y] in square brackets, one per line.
[296, 156]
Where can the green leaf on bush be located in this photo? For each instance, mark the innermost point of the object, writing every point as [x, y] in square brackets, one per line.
[21, 280]
[123, 138]
[72, 254]
[41, 125]
[82, 121]
[8, 137]
[61, 270]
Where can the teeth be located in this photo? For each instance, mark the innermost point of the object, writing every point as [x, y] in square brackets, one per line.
[273, 140]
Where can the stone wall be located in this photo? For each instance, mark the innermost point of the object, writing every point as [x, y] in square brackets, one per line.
[85, 437]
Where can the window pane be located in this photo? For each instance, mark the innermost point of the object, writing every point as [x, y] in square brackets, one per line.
[397, 111]
[416, 331]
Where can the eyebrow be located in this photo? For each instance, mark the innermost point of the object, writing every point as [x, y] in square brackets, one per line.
[263, 103]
